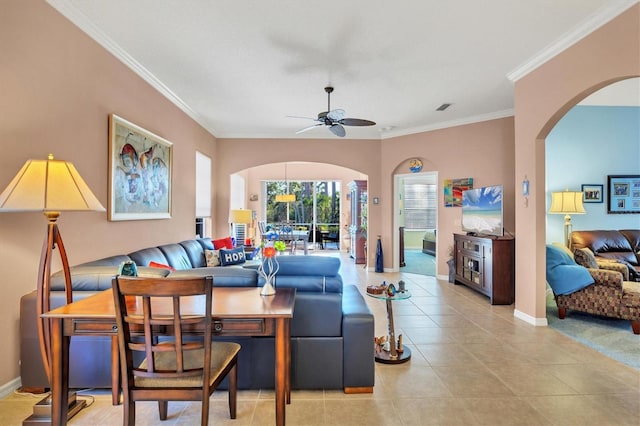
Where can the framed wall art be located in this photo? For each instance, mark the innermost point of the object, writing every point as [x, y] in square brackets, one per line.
[623, 194]
[139, 172]
[592, 193]
[453, 188]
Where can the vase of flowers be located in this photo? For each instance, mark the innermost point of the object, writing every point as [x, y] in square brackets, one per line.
[269, 266]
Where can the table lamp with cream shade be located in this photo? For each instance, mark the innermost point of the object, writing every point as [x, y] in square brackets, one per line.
[50, 186]
[567, 203]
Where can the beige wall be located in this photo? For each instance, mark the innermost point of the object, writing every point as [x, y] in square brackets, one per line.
[541, 98]
[57, 90]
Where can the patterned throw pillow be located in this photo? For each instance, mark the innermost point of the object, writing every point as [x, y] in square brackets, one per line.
[212, 257]
[585, 257]
[232, 257]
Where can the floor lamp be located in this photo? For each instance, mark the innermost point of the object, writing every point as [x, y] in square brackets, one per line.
[240, 217]
[49, 186]
[567, 203]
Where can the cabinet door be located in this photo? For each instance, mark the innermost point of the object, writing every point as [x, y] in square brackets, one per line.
[471, 269]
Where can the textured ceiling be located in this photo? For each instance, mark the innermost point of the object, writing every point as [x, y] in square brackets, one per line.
[241, 67]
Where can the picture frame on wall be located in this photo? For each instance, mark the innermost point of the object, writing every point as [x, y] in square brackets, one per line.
[592, 193]
[140, 165]
[453, 188]
[623, 194]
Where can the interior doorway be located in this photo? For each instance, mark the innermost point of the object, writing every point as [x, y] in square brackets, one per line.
[415, 223]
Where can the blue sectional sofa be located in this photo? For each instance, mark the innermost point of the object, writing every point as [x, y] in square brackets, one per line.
[332, 329]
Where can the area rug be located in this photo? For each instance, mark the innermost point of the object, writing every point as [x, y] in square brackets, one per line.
[418, 262]
[609, 336]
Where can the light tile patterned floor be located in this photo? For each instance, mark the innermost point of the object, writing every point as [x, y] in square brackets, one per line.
[472, 364]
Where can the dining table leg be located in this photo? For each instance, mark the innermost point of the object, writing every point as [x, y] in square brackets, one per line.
[283, 362]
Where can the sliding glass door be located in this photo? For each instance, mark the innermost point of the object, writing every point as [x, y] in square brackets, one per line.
[316, 205]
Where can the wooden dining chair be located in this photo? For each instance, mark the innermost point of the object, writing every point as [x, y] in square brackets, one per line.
[154, 315]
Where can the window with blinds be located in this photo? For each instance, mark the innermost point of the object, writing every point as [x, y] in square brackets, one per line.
[420, 205]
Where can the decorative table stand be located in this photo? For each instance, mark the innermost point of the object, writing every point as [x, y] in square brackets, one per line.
[393, 355]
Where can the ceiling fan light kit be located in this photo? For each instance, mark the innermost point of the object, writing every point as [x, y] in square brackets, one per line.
[334, 119]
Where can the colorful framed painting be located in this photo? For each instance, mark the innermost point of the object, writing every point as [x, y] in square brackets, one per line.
[453, 188]
[139, 172]
[623, 194]
[592, 193]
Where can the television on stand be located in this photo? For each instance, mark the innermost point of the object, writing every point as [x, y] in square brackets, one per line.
[482, 212]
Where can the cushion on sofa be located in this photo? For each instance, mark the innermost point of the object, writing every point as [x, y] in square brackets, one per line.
[585, 257]
[142, 257]
[223, 276]
[563, 274]
[97, 278]
[225, 243]
[609, 244]
[633, 236]
[195, 252]
[232, 257]
[212, 257]
[153, 264]
[176, 255]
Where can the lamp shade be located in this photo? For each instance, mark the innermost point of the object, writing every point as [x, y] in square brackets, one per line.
[240, 216]
[285, 198]
[567, 202]
[48, 185]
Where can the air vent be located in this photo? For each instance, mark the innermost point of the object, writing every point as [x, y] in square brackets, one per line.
[443, 107]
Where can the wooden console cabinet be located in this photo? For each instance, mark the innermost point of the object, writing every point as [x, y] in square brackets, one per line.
[487, 265]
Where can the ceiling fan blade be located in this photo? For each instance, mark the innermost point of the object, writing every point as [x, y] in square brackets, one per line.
[336, 114]
[337, 130]
[308, 128]
[356, 122]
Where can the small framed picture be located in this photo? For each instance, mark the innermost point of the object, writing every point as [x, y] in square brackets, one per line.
[592, 193]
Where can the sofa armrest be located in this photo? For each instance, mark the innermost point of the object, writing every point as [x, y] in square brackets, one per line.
[358, 334]
[614, 266]
[607, 278]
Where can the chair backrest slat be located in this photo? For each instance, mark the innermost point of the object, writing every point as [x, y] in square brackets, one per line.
[162, 316]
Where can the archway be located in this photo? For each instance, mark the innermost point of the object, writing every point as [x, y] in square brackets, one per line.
[542, 97]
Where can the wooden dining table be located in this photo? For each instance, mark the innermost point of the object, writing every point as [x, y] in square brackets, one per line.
[236, 311]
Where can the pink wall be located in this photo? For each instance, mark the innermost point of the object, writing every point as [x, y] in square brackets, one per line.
[362, 156]
[454, 152]
[542, 97]
[483, 151]
[58, 87]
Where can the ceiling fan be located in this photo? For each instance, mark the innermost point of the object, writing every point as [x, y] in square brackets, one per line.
[334, 119]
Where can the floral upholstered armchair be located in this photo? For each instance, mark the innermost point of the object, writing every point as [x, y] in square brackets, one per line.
[594, 291]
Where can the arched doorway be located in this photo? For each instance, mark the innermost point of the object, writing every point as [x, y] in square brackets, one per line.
[542, 97]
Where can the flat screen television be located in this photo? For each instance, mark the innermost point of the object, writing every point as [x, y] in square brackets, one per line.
[482, 211]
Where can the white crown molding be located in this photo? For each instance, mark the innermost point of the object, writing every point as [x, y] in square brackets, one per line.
[446, 124]
[592, 23]
[79, 19]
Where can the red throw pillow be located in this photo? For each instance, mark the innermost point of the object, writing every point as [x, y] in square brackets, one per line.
[153, 264]
[223, 243]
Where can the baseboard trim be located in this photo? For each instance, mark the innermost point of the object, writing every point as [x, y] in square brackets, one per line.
[538, 322]
[10, 387]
